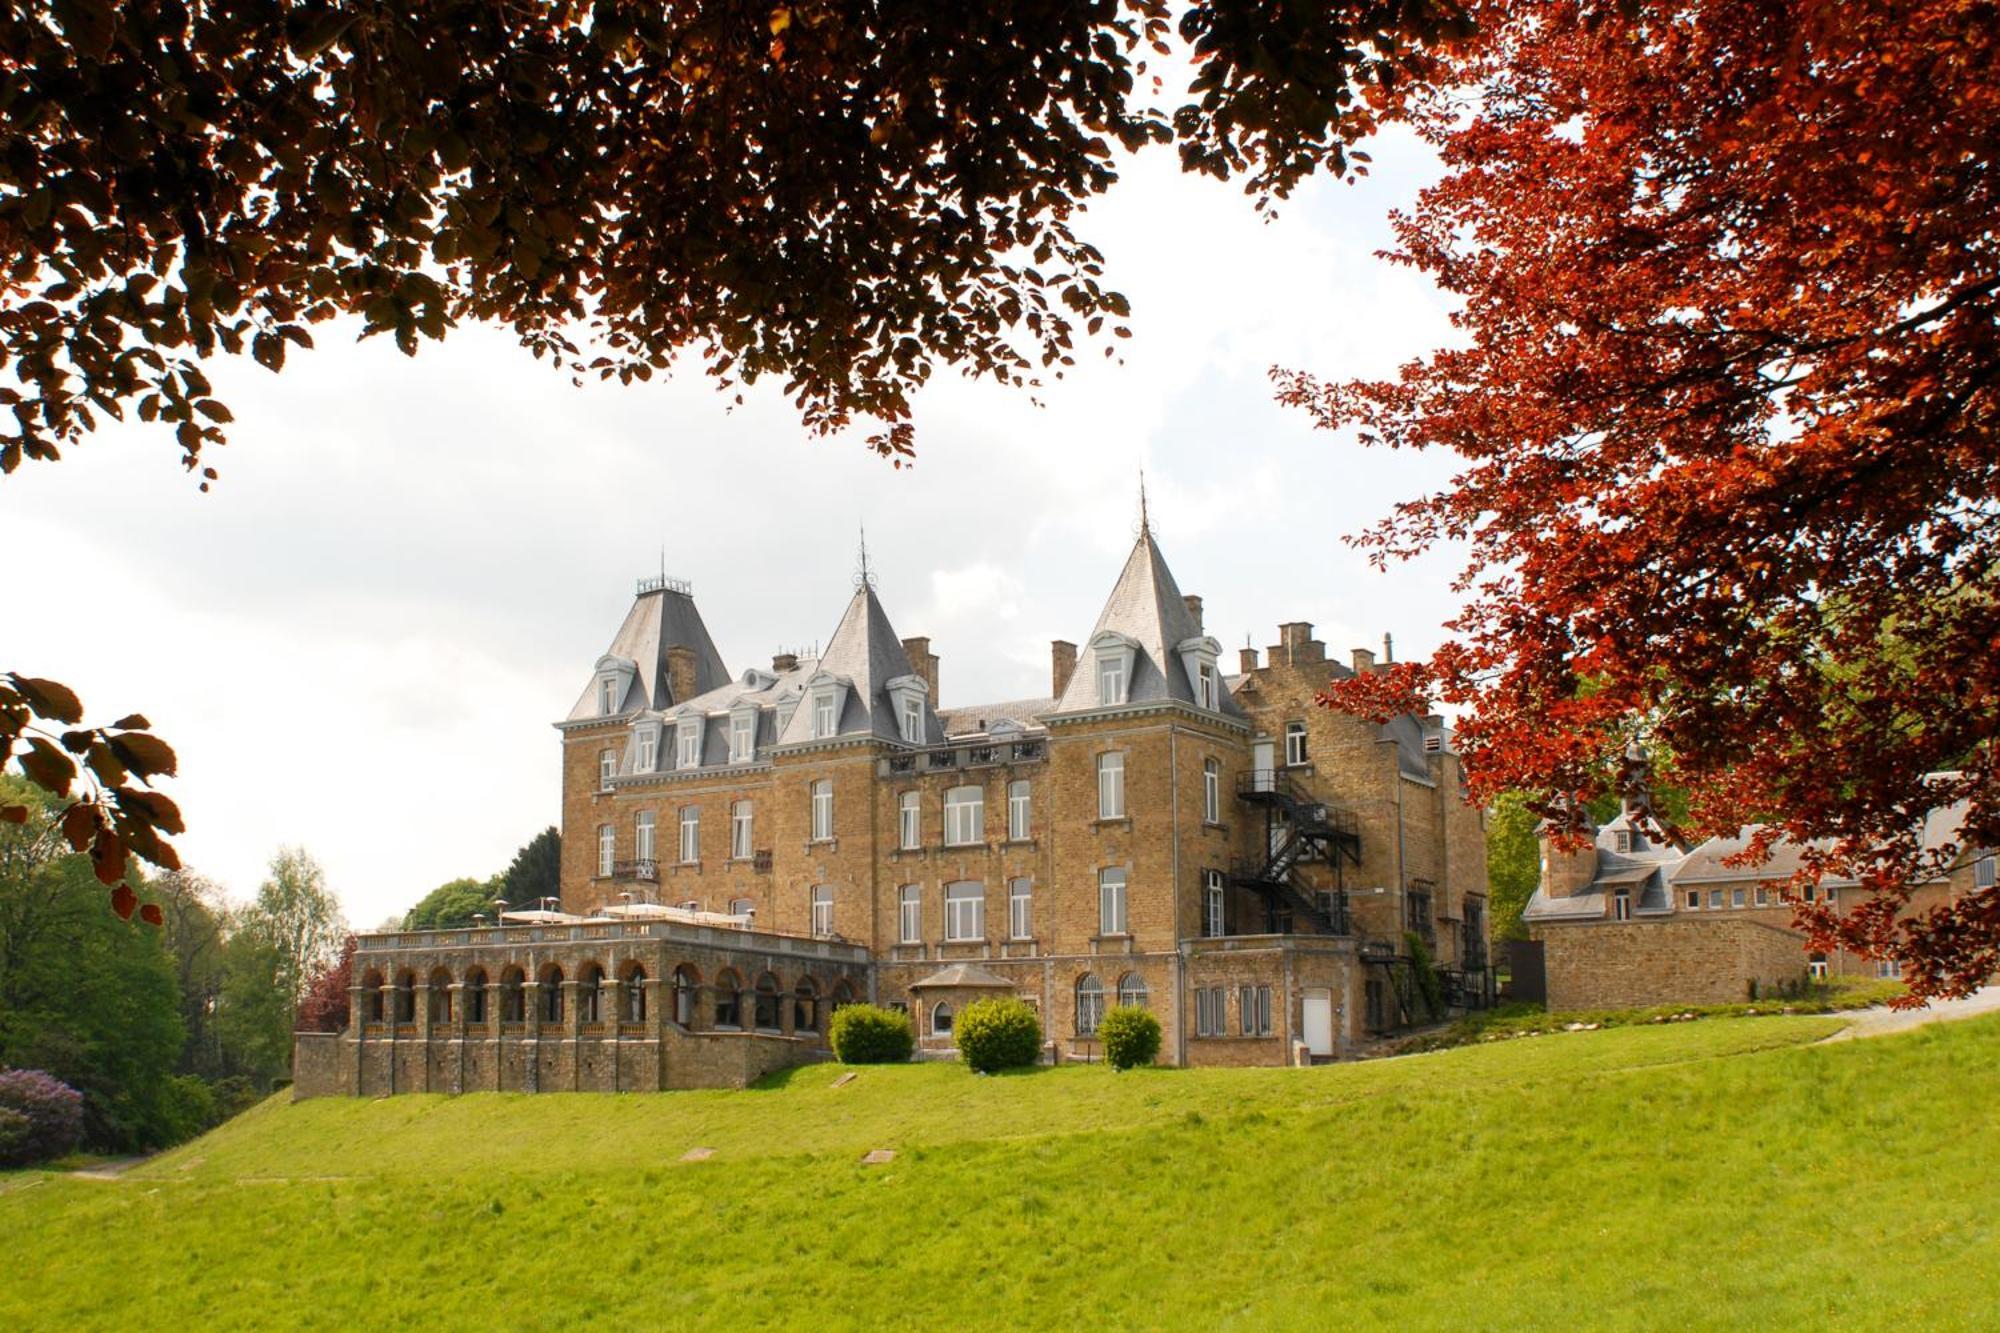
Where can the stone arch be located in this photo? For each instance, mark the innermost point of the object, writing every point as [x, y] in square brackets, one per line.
[551, 998]
[687, 994]
[633, 977]
[843, 995]
[371, 995]
[474, 994]
[770, 1013]
[406, 996]
[728, 999]
[1132, 990]
[1089, 1004]
[941, 1018]
[590, 992]
[438, 999]
[513, 994]
[805, 1005]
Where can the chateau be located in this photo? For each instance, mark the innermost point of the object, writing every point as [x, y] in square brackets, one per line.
[744, 851]
[1624, 921]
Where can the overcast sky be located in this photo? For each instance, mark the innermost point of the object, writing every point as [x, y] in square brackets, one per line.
[358, 640]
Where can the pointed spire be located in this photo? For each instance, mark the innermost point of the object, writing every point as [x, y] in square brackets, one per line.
[862, 578]
[1145, 525]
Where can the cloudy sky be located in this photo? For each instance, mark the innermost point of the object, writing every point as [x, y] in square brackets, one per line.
[357, 641]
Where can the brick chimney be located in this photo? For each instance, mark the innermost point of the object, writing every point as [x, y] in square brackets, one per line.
[924, 662]
[1062, 661]
[783, 662]
[1246, 660]
[1297, 645]
[680, 673]
[1364, 661]
[1194, 608]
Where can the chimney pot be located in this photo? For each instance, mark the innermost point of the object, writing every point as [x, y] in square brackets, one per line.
[1364, 661]
[1062, 662]
[1194, 608]
[1246, 660]
[924, 662]
[783, 662]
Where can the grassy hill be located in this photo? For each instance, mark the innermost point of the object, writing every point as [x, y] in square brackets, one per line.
[1721, 1173]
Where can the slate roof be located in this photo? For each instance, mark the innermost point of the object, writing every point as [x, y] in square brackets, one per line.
[963, 974]
[1146, 606]
[866, 654]
[659, 619]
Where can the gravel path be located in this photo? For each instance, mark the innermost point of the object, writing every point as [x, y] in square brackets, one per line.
[1882, 1020]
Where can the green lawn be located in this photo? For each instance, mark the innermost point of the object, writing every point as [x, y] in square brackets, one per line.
[1694, 1175]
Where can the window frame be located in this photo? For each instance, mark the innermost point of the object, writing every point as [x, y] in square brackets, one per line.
[965, 816]
[1113, 886]
[825, 715]
[1133, 992]
[1214, 905]
[1111, 785]
[910, 821]
[742, 737]
[820, 905]
[742, 830]
[822, 809]
[646, 752]
[1112, 686]
[1089, 1005]
[1020, 909]
[965, 906]
[1211, 791]
[687, 745]
[690, 840]
[607, 768]
[1297, 753]
[607, 850]
[910, 914]
[1020, 810]
[913, 720]
[645, 828]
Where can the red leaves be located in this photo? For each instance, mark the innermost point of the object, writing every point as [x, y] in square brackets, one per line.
[1726, 416]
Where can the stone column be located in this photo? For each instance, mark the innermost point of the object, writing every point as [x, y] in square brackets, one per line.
[613, 999]
[456, 990]
[573, 1021]
[423, 1016]
[531, 1014]
[389, 1021]
[357, 1023]
[493, 999]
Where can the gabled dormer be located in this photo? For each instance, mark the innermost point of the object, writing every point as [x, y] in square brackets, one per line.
[644, 747]
[826, 703]
[690, 734]
[1199, 658]
[1113, 656]
[743, 718]
[908, 695]
[612, 688]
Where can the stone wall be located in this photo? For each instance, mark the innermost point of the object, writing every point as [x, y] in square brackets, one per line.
[1638, 964]
[317, 1069]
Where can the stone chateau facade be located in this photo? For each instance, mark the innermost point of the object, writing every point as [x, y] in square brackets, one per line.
[744, 851]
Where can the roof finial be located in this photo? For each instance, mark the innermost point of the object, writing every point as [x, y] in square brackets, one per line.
[863, 578]
[1145, 527]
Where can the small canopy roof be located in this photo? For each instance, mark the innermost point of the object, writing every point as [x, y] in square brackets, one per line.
[535, 916]
[963, 976]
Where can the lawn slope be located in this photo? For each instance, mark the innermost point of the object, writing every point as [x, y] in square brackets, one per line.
[1705, 1175]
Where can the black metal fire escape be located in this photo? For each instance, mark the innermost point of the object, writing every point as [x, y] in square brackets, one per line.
[1299, 829]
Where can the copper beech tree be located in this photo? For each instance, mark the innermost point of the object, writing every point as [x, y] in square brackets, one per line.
[836, 194]
[1727, 409]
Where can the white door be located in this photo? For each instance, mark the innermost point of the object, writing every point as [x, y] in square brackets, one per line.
[1263, 759]
[1319, 1021]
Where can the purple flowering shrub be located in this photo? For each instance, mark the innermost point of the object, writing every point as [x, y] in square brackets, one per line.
[52, 1110]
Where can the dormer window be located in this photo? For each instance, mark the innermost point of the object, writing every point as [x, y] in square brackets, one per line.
[824, 720]
[647, 748]
[1198, 658]
[1205, 686]
[607, 695]
[786, 707]
[742, 735]
[909, 693]
[687, 741]
[1110, 680]
[913, 721]
[1623, 840]
[827, 697]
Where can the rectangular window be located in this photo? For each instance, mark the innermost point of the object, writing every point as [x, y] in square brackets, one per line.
[822, 810]
[690, 746]
[912, 820]
[1739, 897]
[645, 761]
[1204, 1022]
[1295, 743]
[690, 834]
[742, 738]
[912, 914]
[1694, 900]
[1715, 900]
[1211, 792]
[1018, 829]
[1255, 1015]
[740, 831]
[822, 910]
[1983, 874]
[1020, 910]
[642, 836]
[823, 719]
[1211, 903]
[964, 816]
[1111, 901]
[1763, 895]
[1110, 680]
[1622, 905]
[607, 695]
[1816, 967]
[1111, 786]
[913, 721]
[1887, 969]
[1205, 685]
[607, 850]
[965, 911]
[1830, 892]
[607, 767]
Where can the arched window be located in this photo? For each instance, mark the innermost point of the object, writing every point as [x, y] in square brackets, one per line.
[552, 994]
[371, 997]
[475, 995]
[687, 982]
[439, 999]
[513, 998]
[843, 994]
[728, 1000]
[1089, 1004]
[634, 978]
[1132, 990]
[805, 1006]
[406, 998]
[941, 1019]
[768, 995]
[590, 993]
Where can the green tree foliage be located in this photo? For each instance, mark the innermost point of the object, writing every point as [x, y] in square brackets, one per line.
[84, 994]
[867, 1034]
[536, 871]
[453, 904]
[1423, 968]
[1513, 863]
[1001, 1032]
[299, 917]
[197, 920]
[291, 932]
[1131, 1036]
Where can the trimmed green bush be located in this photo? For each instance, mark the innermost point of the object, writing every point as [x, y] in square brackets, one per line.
[1131, 1036]
[867, 1034]
[998, 1033]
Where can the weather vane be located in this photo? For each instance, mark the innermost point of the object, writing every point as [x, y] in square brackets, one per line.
[862, 577]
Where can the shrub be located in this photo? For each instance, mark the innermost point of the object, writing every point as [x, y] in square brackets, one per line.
[1430, 987]
[187, 1105]
[867, 1034]
[998, 1033]
[53, 1110]
[14, 1131]
[1131, 1036]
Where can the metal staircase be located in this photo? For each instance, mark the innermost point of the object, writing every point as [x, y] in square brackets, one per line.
[1299, 829]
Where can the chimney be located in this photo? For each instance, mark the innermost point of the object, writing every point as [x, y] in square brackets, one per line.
[1194, 608]
[924, 662]
[1246, 660]
[1062, 660]
[1566, 873]
[783, 662]
[1297, 645]
[1364, 661]
[680, 673]
[1388, 649]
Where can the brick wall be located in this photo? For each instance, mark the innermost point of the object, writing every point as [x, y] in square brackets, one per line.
[1679, 960]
